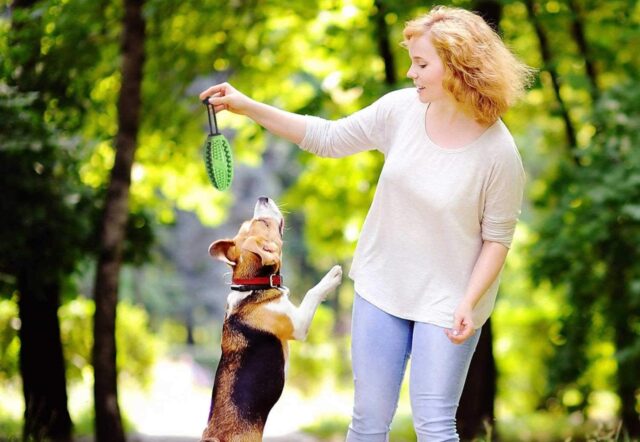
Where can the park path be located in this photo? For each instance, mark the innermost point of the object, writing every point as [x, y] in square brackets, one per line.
[294, 437]
[176, 405]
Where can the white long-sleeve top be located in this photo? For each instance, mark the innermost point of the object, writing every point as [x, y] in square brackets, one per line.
[432, 208]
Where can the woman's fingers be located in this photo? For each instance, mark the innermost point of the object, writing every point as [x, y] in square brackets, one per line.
[219, 89]
[460, 332]
[223, 96]
[218, 102]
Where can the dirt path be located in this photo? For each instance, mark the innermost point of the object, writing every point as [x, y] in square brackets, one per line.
[296, 437]
[175, 407]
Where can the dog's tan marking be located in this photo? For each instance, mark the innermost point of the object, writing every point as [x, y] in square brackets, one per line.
[255, 311]
[278, 324]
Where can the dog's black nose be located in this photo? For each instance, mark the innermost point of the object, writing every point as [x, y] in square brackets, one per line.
[263, 200]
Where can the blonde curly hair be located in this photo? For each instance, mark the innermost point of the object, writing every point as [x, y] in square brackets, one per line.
[480, 72]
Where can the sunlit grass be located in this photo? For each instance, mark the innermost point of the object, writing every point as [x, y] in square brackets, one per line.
[334, 428]
[549, 427]
[80, 405]
[10, 424]
[176, 404]
[11, 410]
[541, 427]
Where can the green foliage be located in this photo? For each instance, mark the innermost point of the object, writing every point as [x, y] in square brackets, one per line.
[53, 215]
[137, 347]
[321, 358]
[10, 427]
[172, 333]
[329, 427]
[588, 243]
[524, 313]
[335, 427]
[52, 51]
[551, 427]
[47, 211]
[84, 424]
[9, 342]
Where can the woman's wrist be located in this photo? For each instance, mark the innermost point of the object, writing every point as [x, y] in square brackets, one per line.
[468, 302]
[258, 112]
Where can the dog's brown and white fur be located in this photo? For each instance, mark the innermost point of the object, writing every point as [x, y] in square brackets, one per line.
[257, 325]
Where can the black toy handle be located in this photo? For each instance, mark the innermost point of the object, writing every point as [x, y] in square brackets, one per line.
[211, 110]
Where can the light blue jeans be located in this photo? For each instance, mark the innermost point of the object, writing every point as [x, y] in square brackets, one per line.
[380, 347]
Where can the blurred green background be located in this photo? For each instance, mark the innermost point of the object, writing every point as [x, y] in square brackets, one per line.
[561, 358]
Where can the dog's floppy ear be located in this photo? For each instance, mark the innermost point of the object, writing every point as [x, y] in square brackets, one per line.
[222, 250]
[266, 250]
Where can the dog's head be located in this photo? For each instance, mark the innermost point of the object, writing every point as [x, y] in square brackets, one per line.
[257, 248]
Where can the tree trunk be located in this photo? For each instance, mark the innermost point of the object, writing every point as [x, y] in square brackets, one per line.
[627, 387]
[112, 232]
[490, 11]
[46, 416]
[547, 58]
[189, 324]
[627, 377]
[478, 396]
[577, 30]
[384, 47]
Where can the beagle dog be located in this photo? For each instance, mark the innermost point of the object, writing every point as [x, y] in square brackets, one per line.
[258, 323]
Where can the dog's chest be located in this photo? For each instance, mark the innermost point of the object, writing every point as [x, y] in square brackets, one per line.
[275, 299]
[234, 299]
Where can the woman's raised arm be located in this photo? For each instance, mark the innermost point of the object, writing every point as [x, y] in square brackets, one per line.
[284, 124]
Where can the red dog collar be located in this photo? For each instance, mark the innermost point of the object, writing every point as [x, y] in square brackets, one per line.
[259, 283]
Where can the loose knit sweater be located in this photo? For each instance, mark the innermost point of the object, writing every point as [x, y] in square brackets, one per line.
[432, 208]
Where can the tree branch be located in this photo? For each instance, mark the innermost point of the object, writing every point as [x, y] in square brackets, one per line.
[547, 59]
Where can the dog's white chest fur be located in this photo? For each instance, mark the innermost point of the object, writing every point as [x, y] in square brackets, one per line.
[234, 299]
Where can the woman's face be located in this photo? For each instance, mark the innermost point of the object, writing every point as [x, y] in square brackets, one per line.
[427, 70]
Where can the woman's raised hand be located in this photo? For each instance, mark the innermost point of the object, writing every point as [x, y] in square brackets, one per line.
[223, 96]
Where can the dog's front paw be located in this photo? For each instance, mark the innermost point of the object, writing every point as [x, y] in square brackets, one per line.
[332, 279]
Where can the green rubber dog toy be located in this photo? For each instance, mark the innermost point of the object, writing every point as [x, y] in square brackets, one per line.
[217, 154]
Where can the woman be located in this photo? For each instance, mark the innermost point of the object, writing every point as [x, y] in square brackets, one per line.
[426, 268]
